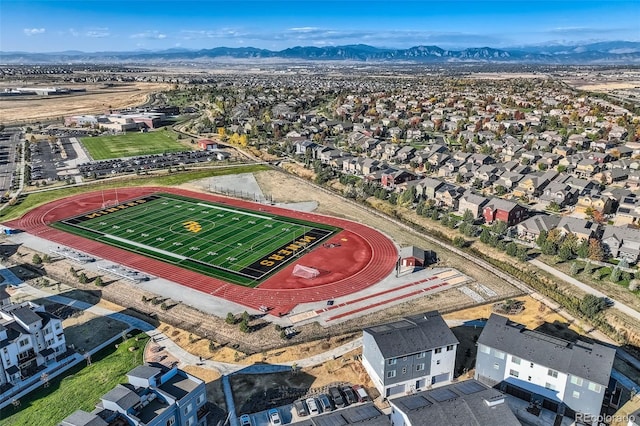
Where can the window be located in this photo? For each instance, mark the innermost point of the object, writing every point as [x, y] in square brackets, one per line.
[421, 355]
[449, 348]
[515, 360]
[171, 421]
[391, 374]
[576, 381]
[438, 362]
[576, 394]
[595, 387]
[530, 365]
[24, 342]
[404, 358]
[499, 354]
[200, 399]
[550, 386]
[419, 367]
[438, 350]
[552, 373]
[514, 373]
[404, 370]
[392, 361]
[58, 326]
[484, 349]
[189, 421]
[496, 366]
[529, 378]
[187, 409]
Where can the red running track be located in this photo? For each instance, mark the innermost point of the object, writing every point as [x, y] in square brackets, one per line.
[364, 256]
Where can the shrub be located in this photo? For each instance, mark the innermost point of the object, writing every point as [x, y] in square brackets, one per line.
[36, 260]
[244, 326]
[231, 319]
[82, 278]
[99, 282]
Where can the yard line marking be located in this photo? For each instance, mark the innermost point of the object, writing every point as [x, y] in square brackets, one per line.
[234, 211]
[144, 246]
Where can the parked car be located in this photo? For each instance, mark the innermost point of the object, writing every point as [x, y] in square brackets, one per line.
[313, 406]
[361, 394]
[301, 408]
[349, 395]
[337, 397]
[274, 417]
[245, 420]
[325, 403]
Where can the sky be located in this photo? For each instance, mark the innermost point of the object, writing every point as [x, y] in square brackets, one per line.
[99, 25]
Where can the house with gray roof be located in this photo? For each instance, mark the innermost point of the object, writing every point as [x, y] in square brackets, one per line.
[472, 202]
[531, 228]
[361, 415]
[562, 376]
[458, 404]
[155, 396]
[622, 242]
[31, 340]
[410, 354]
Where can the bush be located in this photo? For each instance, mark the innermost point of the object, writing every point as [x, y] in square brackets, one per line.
[231, 319]
[36, 260]
[164, 306]
[82, 278]
[98, 282]
[459, 242]
[244, 326]
[591, 305]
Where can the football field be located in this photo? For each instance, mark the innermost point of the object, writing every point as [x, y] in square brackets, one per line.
[233, 244]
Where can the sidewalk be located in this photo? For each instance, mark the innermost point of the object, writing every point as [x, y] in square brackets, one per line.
[584, 287]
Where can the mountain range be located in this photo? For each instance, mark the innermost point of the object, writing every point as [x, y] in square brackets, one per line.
[613, 52]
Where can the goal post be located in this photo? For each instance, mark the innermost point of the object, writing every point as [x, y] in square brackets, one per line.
[305, 271]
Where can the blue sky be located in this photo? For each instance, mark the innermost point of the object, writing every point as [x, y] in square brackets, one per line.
[98, 25]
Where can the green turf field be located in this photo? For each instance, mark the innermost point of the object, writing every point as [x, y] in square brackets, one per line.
[131, 144]
[236, 245]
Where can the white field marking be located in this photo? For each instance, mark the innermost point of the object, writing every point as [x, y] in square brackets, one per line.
[235, 211]
[146, 247]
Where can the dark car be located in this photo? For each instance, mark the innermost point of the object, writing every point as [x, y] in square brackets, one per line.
[349, 395]
[337, 397]
[325, 403]
[301, 408]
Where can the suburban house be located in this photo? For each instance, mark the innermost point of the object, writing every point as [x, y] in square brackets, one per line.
[427, 187]
[622, 242]
[561, 376]
[504, 210]
[583, 229]
[155, 396]
[560, 193]
[472, 202]
[392, 177]
[594, 201]
[464, 403]
[410, 354]
[31, 339]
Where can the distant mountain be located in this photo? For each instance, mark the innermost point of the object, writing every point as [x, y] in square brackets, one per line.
[614, 52]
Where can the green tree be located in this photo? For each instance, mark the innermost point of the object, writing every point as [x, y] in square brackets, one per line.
[575, 268]
[36, 259]
[591, 305]
[554, 207]
[512, 249]
[245, 316]
[231, 319]
[485, 236]
[564, 253]
[244, 326]
[467, 216]
[98, 282]
[499, 227]
[46, 258]
[542, 238]
[459, 241]
[82, 278]
[615, 275]
[500, 190]
[582, 251]
[523, 253]
[407, 197]
[393, 198]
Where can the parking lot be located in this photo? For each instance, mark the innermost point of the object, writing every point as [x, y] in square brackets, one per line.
[48, 158]
[315, 402]
[9, 140]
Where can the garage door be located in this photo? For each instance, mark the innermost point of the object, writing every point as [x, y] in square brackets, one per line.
[395, 390]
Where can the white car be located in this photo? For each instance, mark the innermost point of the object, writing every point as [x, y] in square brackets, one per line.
[313, 406]
[274, 417]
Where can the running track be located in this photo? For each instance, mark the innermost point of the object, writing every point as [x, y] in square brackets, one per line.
[364, 256]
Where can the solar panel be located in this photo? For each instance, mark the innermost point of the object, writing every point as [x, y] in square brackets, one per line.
[359, 414]
[442, 395]
[468, 387]
[415, 402]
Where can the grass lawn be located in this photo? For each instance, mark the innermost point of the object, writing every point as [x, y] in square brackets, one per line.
[33, 200]
[81, 387]
[131, 144]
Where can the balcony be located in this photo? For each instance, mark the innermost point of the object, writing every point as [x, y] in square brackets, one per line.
[203, 411]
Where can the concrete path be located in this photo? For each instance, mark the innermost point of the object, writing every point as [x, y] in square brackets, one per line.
[586, 288]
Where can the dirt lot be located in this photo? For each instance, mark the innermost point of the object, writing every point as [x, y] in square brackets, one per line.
[97, 98]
